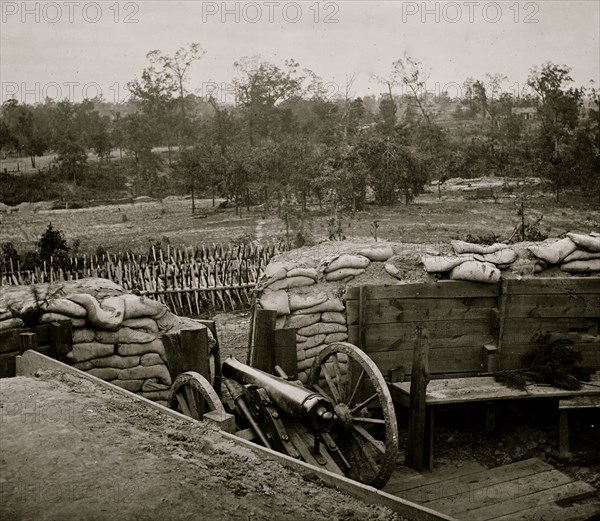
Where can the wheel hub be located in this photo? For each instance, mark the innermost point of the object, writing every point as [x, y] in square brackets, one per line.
[342, 411]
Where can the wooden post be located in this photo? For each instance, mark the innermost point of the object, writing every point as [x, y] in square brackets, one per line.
[61, 339]
[261, 348]
[563, 434]
[362, 307]
[490, 358]
[501, 314]
[28, 341]
[419, 449]
[187, 351]
[286, 356]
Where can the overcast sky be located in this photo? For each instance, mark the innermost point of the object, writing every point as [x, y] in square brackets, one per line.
[75, 49]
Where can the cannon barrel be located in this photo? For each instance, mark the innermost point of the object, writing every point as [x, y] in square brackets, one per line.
[290, 398]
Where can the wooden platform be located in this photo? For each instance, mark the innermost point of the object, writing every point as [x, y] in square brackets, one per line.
[529, 490]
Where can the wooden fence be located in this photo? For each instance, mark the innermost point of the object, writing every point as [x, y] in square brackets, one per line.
[189, 280]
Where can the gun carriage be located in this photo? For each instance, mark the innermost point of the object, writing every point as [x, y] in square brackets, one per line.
[342, 420]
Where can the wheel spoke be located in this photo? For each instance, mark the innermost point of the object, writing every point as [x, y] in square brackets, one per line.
[368, 420]
[364, 404]
[372, 463]
[322, 392]
[338, 376]
[365, 434]
[356, 387]
[183, 405]
[356, 458]
[334, 390]
[191, 400]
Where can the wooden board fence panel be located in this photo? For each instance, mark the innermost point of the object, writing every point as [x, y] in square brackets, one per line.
[581, 305]
[442, 289]
[384, 311]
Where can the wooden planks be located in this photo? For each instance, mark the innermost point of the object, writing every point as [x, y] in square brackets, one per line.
[443, 333]
[526, 330]
[384, 311]
[441, 289]
[554, 285]
[580, 305]
[528, 490]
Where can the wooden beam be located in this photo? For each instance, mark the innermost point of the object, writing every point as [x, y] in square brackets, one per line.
[187, 350]
[261, 348]
[417, 422]
[285, 354]
[554, 285]
[28, 341]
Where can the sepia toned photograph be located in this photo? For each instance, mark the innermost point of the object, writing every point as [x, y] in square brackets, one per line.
[300, 260]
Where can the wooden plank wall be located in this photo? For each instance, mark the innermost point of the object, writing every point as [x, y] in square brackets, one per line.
[462, 317]
[52, 341]
[534, 306]
[458, 316]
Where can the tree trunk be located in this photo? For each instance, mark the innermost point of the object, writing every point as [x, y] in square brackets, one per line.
[193, 199]
[32, 160]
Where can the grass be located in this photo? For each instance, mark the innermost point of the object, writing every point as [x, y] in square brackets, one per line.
[427, 221]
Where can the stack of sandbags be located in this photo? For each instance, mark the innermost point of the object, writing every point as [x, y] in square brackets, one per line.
[472, 262]
[586, 257]
[116, 336]
[305, 291]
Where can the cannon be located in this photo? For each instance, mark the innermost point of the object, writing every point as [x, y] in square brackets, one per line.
[342, 419]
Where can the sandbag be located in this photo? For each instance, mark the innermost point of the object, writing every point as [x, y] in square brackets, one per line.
[555, 252]
[141, 373]
[275, 301]
[303, 377]
[292, 282]
[476, 271]
[46, 318]
[314, 351]
[587, 242]
[581, 255]
[104, 373]
[336, 337]
[378, 253]
[303, 272]
[116, 361]
[109, 319]
[582, 266]
[133, 386]
[503, 257]
[300, 321]
[280, 322]
[304, 301]
[342, 273]
[322, 328]
[89, 351]
[312, 341]
[392, 270]
[331, 304]
[276, 271]
[83, 335]
[64, 306]
[443, 263]
[134, 336]
[146, 324]
[300, 355]
[11, 323]
[5, 314]
[151, 359]
[348, 261]
[333, 316]
[307, 363]
[83, 366]
[152, 384]
[467, 247]
[156, 346]
[156, 395]
[136, 307]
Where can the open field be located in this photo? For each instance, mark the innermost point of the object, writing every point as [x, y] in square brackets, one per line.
[135, 226]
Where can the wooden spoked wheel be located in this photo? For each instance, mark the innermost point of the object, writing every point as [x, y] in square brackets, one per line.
[191, 394]
[365, 429]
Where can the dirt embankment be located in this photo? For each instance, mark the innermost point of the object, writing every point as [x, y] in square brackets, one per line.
[73, 450]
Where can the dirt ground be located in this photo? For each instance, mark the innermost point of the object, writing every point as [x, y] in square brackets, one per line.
[73, 450]
[133, 227]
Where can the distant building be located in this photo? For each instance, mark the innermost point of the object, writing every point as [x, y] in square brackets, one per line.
[527, 113]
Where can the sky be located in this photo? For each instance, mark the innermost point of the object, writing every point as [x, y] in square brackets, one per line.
[77, 49]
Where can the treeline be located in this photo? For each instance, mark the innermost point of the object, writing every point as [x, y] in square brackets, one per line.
[285, 142]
